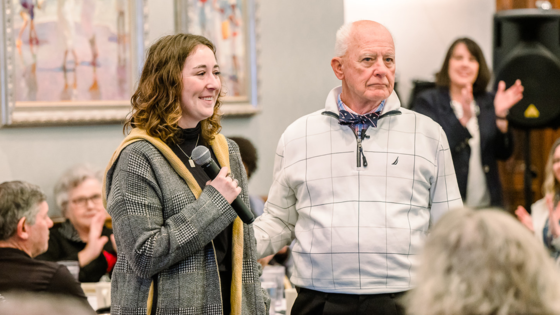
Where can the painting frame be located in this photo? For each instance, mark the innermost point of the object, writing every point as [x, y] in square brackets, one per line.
[71, 112]
[247, 104]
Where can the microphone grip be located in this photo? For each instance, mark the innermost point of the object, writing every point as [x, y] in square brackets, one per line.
[211, 169]
[242, 211]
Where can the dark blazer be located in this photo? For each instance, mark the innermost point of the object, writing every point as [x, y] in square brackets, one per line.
[494, 144]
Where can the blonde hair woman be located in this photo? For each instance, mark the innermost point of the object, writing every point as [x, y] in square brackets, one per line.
[547, 231]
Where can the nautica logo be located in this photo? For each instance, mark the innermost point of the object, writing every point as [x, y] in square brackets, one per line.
[396, 161]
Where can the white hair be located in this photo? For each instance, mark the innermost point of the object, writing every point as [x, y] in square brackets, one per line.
[71, 179]
[342, 36]
[483, 262]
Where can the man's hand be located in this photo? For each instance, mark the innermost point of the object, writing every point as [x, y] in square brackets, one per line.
[225, 185]
[525, 218]
[95, 241]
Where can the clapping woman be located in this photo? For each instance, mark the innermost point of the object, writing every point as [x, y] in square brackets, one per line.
[474, 121]
[82, 237]
[182, 249]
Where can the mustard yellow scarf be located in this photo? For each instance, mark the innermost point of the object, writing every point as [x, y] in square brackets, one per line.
[220, 148]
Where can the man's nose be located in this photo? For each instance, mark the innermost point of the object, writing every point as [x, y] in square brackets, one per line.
[380, 68]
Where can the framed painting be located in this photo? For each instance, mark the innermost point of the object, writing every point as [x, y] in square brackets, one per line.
[230, 25]
[69, 61]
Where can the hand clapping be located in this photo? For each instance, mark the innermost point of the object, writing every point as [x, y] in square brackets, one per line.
[505, 99]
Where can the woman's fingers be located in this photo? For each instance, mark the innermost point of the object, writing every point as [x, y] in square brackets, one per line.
[226, 185]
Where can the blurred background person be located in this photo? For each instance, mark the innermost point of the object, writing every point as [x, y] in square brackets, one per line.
[41, 304]
[175, 228]
[24, 234]
[545, 213]
[473, 119]
[83, 237]
[485, 263]
[250, 159]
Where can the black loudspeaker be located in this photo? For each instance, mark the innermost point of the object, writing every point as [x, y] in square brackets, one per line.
[527, 47]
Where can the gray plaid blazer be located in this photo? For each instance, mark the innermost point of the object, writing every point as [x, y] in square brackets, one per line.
[164, 234]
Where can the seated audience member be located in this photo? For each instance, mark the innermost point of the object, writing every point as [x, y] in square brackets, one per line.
[474, 121]
[24, 234]
[83, 236]
[483, 262]
[249, 157]
[539, 221]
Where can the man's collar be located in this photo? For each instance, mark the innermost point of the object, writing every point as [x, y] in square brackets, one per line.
[14, 251]
[342, 105]
[391, 103]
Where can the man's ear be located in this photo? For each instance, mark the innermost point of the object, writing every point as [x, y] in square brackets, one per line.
[22, 230]
[336, 64]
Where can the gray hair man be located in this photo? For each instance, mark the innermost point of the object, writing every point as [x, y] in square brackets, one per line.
[357, 185]
[24, 234]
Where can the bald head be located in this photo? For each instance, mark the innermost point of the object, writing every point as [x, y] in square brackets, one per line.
[365, 63]
[355, 31]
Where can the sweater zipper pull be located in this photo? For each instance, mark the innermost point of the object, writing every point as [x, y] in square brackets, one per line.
[363, 156]
[359, 152]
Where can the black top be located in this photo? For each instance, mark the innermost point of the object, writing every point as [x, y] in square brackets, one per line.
[222, 242]
[494, 145]
[65, 244]
[19, 272]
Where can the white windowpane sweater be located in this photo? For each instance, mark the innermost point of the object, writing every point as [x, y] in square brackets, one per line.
[357, 230]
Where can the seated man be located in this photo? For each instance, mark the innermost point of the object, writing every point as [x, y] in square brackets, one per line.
[24, 234]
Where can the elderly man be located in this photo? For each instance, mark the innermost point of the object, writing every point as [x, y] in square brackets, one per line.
[357, 185]
[24, 234]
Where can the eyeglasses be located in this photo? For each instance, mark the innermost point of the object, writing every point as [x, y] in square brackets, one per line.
[83, 201]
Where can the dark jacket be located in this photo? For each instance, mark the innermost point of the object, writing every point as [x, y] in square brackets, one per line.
[494, 145]
[65, 244]
[19, 272]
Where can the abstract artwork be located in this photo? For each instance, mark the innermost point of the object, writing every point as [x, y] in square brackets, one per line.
[70, 61]
[230, 25]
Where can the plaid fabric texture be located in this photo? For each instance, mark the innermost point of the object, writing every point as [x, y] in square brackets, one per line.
[164, 233]
[357, 230]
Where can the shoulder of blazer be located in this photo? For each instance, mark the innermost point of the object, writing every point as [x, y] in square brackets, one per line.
[436, 96]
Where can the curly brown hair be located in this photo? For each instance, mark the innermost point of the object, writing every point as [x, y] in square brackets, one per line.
[156, 103]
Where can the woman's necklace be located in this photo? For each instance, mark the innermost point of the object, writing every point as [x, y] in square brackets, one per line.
[191, 162]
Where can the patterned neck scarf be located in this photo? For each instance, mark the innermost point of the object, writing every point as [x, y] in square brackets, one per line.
[359, 123]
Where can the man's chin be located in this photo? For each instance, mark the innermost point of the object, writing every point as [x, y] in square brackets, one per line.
[378, 96]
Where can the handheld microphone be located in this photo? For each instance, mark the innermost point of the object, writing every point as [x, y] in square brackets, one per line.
[201, 156]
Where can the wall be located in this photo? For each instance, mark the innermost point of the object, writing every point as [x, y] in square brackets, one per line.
[424, 30]
[296, 41]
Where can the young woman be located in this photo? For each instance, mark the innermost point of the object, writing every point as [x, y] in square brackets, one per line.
[182, 249]
[474, 121]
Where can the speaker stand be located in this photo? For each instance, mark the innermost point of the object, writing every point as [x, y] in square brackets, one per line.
[528, 178]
